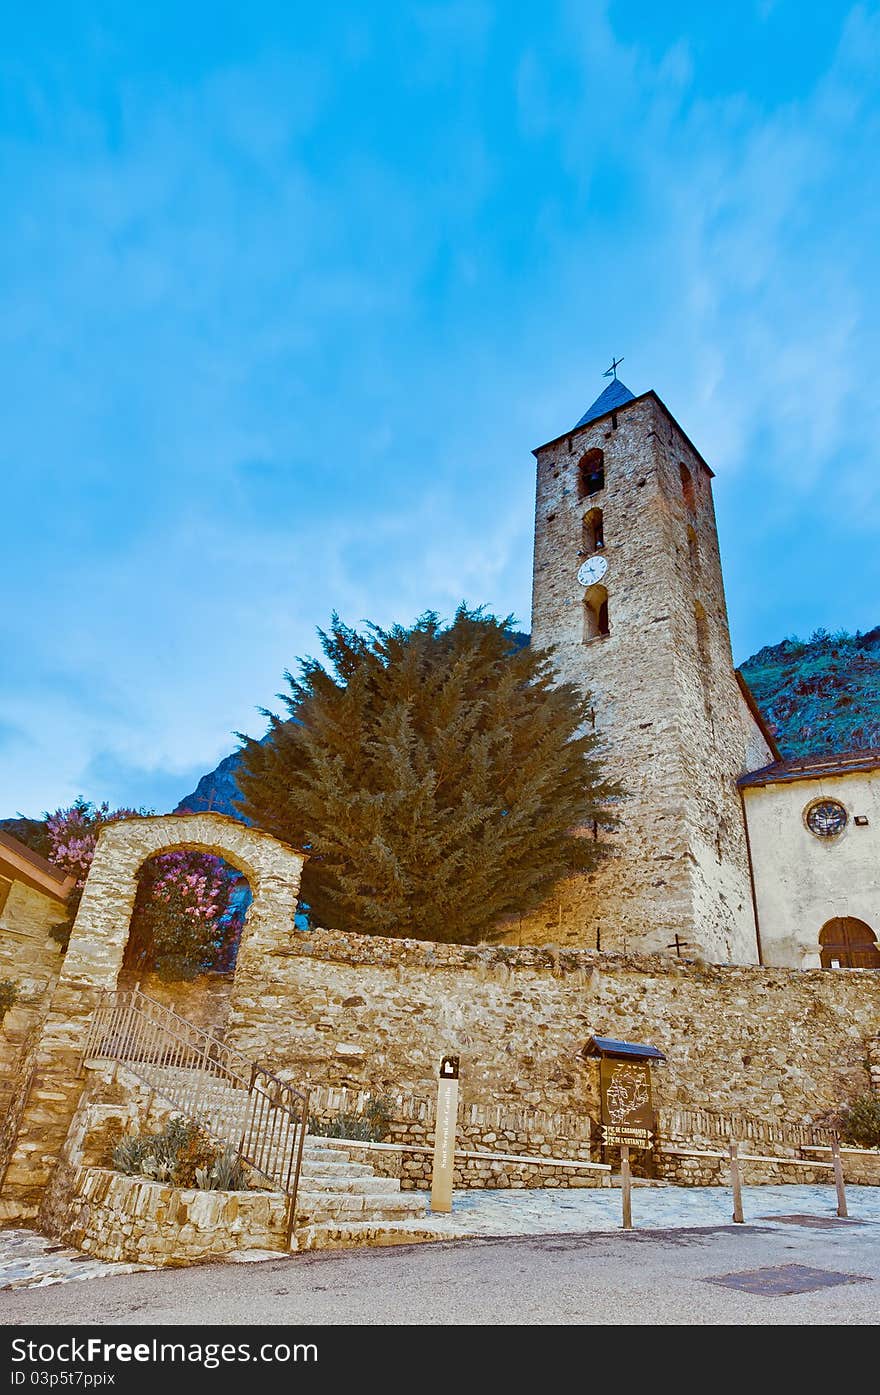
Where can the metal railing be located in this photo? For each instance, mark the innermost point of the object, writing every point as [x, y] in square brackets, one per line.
[238, 1101]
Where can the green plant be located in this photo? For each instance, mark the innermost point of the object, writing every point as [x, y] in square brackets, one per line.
[372, 1125]
[9, 996]
[860, 1122]
[182, 1154]
[440, 778]
[128, 1154]
[226, 1174]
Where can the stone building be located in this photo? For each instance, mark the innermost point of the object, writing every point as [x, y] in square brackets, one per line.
[33, 901]
[628, 591]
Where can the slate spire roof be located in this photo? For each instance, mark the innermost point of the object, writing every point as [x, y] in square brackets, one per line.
[614, 395]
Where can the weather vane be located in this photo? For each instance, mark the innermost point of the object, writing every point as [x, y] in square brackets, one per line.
[612, 371]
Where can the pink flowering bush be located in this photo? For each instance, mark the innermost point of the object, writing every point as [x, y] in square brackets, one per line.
[73, 835]
[189, 909]
[175, 927]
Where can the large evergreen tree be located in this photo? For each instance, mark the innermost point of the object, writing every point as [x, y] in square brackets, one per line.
[439, 778]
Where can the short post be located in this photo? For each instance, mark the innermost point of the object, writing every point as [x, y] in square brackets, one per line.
[736, 1182]
[626, 1186]
[444, 1135]
[838, 1177]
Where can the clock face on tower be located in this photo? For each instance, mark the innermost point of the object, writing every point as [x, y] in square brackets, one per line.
[592, 570]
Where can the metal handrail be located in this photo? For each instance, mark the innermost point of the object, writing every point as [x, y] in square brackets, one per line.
[180, 1061]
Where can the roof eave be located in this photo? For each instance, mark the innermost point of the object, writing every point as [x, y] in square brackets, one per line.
[789, 772]
[624, 406]
[20, 864]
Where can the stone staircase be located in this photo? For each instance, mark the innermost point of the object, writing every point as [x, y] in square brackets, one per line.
[339, 1202]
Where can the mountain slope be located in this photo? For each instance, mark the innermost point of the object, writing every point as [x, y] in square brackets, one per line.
[820, 695]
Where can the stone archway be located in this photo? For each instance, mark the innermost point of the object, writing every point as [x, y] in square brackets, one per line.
[97, 942]
[94, 958]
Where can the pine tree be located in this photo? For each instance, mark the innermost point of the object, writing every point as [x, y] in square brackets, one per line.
[438, 777]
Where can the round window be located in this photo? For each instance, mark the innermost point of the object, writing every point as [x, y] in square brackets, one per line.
[826, 818]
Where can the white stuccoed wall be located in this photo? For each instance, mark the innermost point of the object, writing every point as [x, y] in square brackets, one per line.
[802, 881]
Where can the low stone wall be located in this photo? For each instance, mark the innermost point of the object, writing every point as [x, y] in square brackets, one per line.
[131, 1219]
[502, 1128]
[687, 1171]
[860, 1169]
[413, 1166]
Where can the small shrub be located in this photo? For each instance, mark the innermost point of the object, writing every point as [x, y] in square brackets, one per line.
[860, 1122]
[370, 1126]
[181, 1154]
[128, 1154]
[226, 1174]
[9, 996]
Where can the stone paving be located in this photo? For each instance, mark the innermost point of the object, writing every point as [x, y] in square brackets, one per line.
[29, 1260]
[513, 1212]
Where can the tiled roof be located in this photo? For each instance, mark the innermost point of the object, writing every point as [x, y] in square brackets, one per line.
[615, 395]
[813, 767]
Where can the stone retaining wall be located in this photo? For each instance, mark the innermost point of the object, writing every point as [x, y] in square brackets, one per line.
[131, 1219]
[413, 1168]
[115, 1217]
[364, 1012]
[715, 1172]
[484, 1128]
[862, 1170]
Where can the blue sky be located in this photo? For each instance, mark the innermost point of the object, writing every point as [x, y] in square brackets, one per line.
[288, 297]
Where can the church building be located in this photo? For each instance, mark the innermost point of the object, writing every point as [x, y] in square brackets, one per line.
[724, 850]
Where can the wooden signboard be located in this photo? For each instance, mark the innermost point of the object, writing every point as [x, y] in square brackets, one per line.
[627, 1109]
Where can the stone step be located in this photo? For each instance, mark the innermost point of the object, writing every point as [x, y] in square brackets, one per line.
[330, 1235]
[332, 1182]
[316, 1206]
[332, 1168]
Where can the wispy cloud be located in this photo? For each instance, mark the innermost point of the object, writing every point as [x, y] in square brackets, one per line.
[283, 317]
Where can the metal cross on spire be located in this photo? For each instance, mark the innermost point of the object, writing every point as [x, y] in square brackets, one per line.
[612, 371]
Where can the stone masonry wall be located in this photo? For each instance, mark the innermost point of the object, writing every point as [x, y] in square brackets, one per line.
[203, 1000]
[377, 1014]
[131, 1219]
[499, 1129]
[32, 959]
[667, 704]
[413, 1168]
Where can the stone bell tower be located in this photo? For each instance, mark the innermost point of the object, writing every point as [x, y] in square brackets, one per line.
[628, 590]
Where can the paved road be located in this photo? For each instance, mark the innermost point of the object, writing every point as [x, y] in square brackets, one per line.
[599, 1278]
